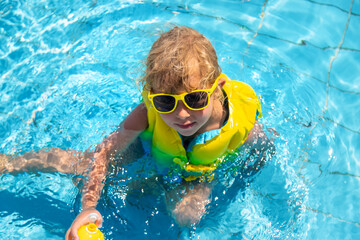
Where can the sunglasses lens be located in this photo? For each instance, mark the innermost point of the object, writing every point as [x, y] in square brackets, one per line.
[164, 103]
[197, 99]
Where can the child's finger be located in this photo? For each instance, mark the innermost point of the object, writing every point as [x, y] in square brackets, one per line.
[73, 231]
[74, 234]
[68, 235]
[99, 221]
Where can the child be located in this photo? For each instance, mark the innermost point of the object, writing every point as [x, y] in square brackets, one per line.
[192, 116]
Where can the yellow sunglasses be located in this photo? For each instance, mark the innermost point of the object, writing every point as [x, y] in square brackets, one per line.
[194, 100]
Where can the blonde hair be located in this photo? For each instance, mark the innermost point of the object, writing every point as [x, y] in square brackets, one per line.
[173, 57]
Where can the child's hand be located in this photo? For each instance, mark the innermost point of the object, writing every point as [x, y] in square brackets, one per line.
[192, 206]
[80, 220]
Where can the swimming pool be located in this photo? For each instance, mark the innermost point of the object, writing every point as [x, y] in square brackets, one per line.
[67, 73]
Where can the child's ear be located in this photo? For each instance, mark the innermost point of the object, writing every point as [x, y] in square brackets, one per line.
[221, 82]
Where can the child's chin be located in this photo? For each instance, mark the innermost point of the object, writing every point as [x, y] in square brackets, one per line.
[186, 132]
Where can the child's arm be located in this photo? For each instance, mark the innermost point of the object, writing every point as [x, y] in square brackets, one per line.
[260, 145]
[129, 130]
[257, 136]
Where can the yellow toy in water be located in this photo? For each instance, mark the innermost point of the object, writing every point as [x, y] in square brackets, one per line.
[90, 231]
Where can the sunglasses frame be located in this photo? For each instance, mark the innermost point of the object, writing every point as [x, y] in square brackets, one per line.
[182, 97]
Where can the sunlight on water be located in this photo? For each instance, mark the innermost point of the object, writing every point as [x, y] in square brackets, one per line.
[67, 79]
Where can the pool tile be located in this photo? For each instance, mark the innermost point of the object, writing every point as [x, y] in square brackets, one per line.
[325, 151]
[321, 224]
[343, 148]
[249, 17]
[351, 40]
[304, 23]
[344, 72]
[356, 8]
[302, 58]
[343, 5]
[336, 190]
[343, 109]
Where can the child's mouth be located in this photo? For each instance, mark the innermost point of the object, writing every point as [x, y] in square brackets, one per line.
[185, 126]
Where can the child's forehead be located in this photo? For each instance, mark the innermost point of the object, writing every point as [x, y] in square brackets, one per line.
[185, 85]
[175, 83]
[177, 88]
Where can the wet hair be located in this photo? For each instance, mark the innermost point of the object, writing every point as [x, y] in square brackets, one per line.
[175, 56]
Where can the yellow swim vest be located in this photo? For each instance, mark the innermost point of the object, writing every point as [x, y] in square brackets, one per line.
[166, 144]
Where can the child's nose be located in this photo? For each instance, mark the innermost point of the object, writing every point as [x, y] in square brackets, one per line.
[181, 110]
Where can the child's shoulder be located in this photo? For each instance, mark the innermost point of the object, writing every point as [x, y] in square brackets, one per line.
[137, 120]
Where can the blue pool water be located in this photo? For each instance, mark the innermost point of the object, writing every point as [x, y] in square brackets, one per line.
[67, 71]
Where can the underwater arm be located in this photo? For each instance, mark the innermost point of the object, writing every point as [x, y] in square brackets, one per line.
[261, 147]
[119, 140]
[256, 135]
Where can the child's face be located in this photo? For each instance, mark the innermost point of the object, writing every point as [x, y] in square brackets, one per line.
[189, 122]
